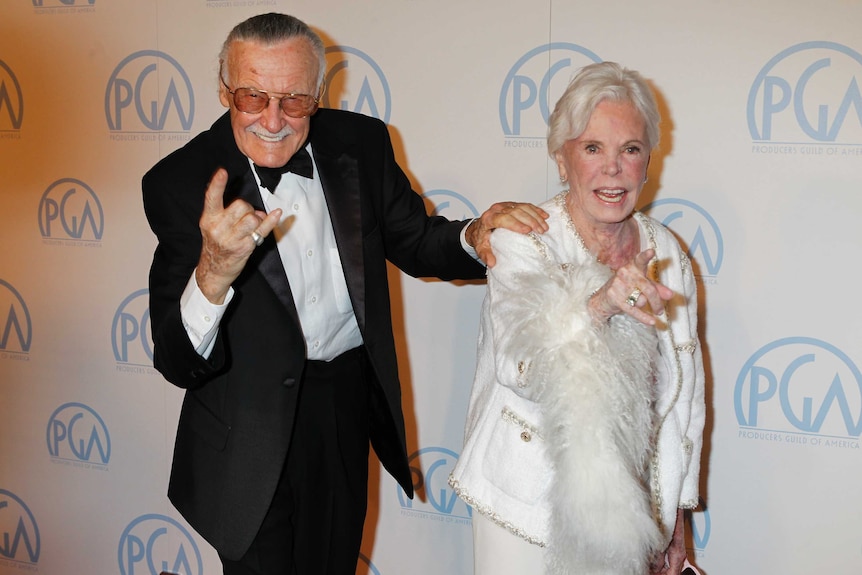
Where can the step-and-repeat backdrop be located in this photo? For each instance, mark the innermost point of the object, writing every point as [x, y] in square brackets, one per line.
[759, 173]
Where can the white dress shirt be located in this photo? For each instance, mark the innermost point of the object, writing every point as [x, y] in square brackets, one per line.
[306, 244]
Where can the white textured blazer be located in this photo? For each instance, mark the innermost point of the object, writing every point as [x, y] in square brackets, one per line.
[580, 435]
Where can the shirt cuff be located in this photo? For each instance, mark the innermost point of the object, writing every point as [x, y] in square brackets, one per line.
[201, 318]
[471, 251]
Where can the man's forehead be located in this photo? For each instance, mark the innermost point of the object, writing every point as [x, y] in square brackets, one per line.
[287, 56]
[296, 46]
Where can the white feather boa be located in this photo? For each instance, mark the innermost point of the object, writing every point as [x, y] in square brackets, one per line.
[595, 386]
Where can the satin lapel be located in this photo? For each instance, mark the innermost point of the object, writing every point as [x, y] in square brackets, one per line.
[339, 177]
[266, 258]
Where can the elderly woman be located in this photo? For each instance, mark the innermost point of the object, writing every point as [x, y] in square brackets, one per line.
[586, 416]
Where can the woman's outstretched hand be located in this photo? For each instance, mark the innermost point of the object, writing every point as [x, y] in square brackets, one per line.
[630, 291]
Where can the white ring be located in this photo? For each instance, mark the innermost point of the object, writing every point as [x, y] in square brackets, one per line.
[633, 297]
[257, 238]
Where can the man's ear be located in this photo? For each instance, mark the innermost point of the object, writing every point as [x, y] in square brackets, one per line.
[223, 96]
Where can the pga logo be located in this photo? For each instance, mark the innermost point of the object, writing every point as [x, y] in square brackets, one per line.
[809, 92]
[16, 327]
[19, 533]
[149, 91]
[430, 468]
[77, 433]
[11, 99]
[800, 385]
[535, 83]
[130, 330]
[366, 567]
[153, 543]
[696, 228]
[358, 82]
[70, 209]
[451, 204]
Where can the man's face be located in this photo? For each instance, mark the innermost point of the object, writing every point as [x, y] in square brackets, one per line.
[270, 137]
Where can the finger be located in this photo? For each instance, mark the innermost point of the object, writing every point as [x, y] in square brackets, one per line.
[536, 211]
[532, 216]
[232, 224]
[525, 213]
[494, 209]
[255, 225]
[656, 294]
[486, 254]
[634, 307]
[214, 196]
[643, 259]
[510, 218]
[640, 315]
[268, 223]
[494, 217]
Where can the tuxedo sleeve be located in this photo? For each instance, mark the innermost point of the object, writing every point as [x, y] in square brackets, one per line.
[421, 245]
[173, 205]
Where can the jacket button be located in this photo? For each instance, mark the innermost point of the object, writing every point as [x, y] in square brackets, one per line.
[525, 436]
[289, 382]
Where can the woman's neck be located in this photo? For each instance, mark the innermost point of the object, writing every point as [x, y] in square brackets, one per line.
[614, 244]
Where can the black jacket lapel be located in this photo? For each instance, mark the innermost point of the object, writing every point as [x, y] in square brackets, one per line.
[265, 258]
[339, 177]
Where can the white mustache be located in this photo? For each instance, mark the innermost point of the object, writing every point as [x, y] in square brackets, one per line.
[265, 134]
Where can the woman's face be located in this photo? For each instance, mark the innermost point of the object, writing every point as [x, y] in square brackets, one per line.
[606, 165]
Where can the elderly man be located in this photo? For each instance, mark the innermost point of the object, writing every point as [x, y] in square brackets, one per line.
[270, 306]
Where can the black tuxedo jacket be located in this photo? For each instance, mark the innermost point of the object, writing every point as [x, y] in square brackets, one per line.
[238, 412]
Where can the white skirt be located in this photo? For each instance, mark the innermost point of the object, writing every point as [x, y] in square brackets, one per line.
[496, 551]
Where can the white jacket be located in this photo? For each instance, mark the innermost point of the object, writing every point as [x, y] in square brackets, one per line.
[583, 439]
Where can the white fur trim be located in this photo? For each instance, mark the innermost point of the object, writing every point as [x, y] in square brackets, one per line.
[595, 386]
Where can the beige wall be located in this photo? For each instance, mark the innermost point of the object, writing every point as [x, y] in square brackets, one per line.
[758, 172]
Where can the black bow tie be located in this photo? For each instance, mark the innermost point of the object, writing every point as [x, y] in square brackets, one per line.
[299, 164]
